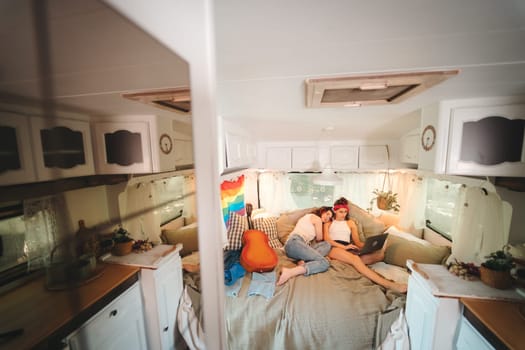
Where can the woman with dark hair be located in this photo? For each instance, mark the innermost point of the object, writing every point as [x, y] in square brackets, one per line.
[311, 256]
[343, 236]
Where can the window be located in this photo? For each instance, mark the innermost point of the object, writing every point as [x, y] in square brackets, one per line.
[440, 205]
[305, 194]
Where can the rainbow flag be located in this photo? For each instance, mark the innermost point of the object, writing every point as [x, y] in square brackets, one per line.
[232, 198]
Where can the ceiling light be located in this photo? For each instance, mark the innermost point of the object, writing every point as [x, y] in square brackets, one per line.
[327, 178]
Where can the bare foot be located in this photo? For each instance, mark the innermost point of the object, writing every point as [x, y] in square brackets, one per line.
[284, 275]
[300, 263]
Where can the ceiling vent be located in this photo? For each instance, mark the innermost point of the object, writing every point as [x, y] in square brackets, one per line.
[376, 89]
[175, 100]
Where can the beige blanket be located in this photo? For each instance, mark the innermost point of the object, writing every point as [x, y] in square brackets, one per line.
[337, 309]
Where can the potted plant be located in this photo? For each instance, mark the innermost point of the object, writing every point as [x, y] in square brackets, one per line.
[495, 271]
[385, 200]
[123, 243]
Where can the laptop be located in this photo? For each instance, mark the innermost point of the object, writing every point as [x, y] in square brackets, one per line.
[371, 244]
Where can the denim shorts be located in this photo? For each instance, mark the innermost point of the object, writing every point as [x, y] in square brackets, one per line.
[313, 255]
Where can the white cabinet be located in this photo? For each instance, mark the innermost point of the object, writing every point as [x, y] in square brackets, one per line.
[240, 150]
[432, 320]
[183, 152]
[162, 288]
[305, 159]
[469, 338]
[344, 157]
[373, 157]
[120, 325]
[16, 161]
[279, 158]
[410, 147]
[134, 144]
[482, 137]
[61, 148]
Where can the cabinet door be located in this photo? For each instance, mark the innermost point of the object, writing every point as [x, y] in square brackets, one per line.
[469, 338]
[62, 148]
[120, 325]
[487, 141]
[421, 311]
[162, 289]
[344, 157]
[183, 152]
[16, 162]
[373, 157]
[279, 158]
[305, 158]
[410, 148]
[122, 147]
[169, 289]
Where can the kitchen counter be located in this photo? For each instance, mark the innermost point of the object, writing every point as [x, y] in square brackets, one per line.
[47, 316]
[502, 323]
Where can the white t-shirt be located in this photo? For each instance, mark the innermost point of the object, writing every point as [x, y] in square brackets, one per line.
[339, 231]
[305, 228]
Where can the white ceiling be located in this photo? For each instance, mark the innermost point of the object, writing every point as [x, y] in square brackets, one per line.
[266, 49]
[94, 55]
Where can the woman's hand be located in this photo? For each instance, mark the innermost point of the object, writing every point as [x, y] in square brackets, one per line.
[352, 247]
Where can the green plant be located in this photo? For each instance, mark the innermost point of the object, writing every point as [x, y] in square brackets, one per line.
[386, 200]
[121, 235]
[499, 261]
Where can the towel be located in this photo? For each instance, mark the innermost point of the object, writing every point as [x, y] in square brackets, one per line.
[233, 289]
[262, 284]
[235, 272]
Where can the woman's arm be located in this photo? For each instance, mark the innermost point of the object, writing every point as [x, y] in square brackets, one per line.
[318, 225]
[355, 233]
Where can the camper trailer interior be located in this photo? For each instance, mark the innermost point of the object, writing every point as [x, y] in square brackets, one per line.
[184, 124]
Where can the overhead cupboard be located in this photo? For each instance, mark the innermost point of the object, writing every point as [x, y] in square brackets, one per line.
[474, 137]
[35, 148]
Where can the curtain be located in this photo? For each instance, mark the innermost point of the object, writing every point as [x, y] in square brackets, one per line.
[190, 208]
[141, 218]
[481, 224]
[412, 191]
[274, 193]
[358, 187]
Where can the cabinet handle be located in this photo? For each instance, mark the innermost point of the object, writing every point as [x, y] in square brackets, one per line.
[113, 313]
[166, 328]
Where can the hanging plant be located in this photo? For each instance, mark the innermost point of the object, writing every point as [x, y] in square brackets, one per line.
[385, 200]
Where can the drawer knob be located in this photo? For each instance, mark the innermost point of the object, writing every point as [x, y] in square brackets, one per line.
[166, 328]
[113, 313]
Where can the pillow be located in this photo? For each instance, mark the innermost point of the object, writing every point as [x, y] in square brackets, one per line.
[237, 224]
[371, 226]
[393, 230]
[174, 224]
[399, 249]
[268, 226]
[187, 235]
[286, 222]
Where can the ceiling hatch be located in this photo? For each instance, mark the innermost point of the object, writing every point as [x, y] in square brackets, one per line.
[374, 89]
[175, 100]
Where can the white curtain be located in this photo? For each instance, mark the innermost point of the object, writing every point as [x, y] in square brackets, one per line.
[481, 224]
[140, 217]
[274, 193]
[358, 187]
[190, 207]
[412, 191]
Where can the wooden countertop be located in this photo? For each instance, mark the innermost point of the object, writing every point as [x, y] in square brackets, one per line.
[45, 314]
[506, 320]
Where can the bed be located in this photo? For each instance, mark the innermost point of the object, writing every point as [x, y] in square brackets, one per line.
[337, 309]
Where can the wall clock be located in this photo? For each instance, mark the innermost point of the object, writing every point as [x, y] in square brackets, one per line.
[166, 144]
[428, 137]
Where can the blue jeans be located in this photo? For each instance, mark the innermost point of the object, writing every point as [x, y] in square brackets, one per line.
[314, 255]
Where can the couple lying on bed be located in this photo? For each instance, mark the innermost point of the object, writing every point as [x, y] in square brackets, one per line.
[319, 226]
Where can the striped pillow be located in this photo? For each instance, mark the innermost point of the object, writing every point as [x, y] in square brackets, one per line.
[237, 224]
[268, 226]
